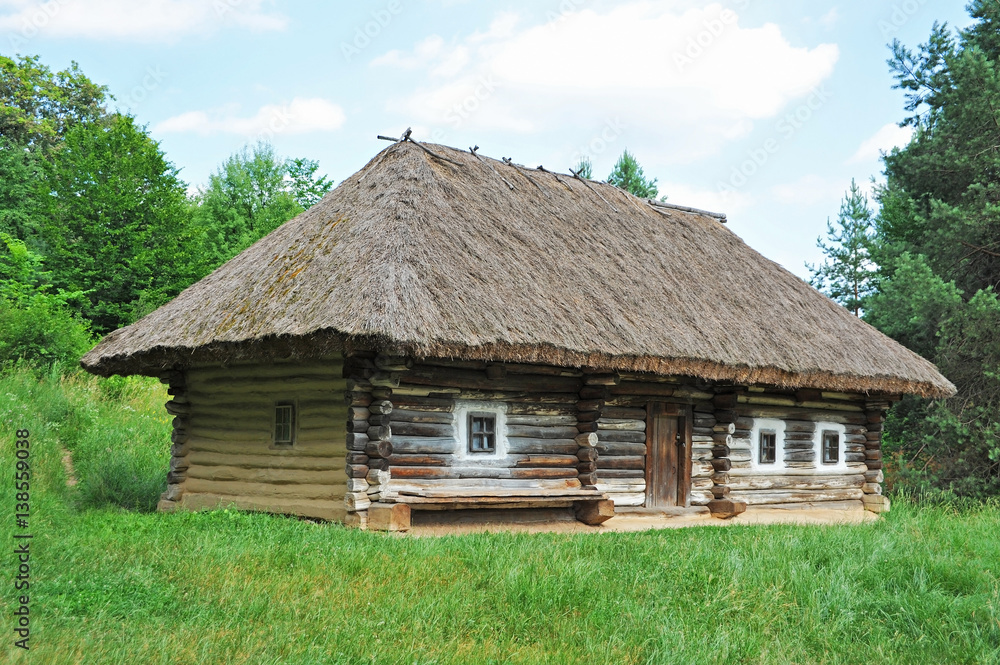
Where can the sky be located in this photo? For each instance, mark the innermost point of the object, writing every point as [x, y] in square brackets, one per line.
[761, 109]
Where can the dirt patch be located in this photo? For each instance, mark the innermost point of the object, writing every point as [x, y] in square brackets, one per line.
[644, 522]
[67, 462]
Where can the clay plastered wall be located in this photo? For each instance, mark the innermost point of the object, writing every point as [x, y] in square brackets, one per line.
[231, 456]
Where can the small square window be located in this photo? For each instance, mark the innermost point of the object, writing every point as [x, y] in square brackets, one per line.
[482, 433]
[768, 450]
[831, 447]
[284, 424]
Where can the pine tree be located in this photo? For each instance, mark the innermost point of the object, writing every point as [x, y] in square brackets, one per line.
[628, 175]
[847, 273]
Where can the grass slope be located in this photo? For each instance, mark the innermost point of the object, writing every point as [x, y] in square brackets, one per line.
[115, 586]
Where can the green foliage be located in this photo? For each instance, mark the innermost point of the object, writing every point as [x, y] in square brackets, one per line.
[18, 191]
[38, 107]
[585, 168]
[938, 245]
[306, 188]
[116, 222]
[39, 326]
[628, 175]
[248, 197]
[847, 273]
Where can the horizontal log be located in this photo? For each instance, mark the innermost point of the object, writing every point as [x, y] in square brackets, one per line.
[423, 444]
[408, 416]
[621, 462]
[527, 431]
[237, 458]
[554, 446]
[802, 414]
[418, 459]
[800, 455]
[622, 437]
[414, 403]
[422, 429]
[624, 413]
[617, 448]
[542, 420]
[765, 497]
[543, 461]
[416, 484]
[621, 424]
[798, 482]
[472, 379]
[541, 408]
[643, 389]
[620, 473]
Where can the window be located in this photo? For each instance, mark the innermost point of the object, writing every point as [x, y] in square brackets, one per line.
[284, 424]
[482, 433]
[767, 453]
[831, 447]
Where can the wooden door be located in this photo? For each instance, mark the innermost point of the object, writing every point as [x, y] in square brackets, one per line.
[668, 455]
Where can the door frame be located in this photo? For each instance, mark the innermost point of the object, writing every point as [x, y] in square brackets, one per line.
[684, 415]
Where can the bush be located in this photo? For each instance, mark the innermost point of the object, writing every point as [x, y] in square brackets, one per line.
[41, 331]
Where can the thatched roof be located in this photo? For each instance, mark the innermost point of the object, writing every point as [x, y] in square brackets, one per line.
[434, 251]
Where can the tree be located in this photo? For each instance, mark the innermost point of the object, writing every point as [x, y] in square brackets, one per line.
[937, 244]
[585, 168]
[37, 106]
[18, 190]
[115, 221]
[247, 197]
[847, 273]
[306, 188]
[252, 193]
[628, 175]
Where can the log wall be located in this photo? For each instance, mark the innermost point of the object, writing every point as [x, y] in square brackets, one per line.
[804, 480]
[539, 420]
[622, 432]
[228, 453]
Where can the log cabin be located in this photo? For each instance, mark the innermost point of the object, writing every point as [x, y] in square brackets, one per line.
[449, 332]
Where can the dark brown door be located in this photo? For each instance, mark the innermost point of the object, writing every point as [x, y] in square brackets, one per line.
[668, 458]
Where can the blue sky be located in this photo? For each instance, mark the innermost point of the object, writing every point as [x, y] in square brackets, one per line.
[761, 109]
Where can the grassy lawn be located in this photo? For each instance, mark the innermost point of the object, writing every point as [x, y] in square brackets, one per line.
[114, 586]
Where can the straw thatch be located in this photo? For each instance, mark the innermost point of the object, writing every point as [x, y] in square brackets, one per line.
[433, 251]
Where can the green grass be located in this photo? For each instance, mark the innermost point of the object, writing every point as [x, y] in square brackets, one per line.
[115, 586]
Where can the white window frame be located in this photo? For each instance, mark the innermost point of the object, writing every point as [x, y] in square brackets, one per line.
[777, 426]
[463, 408]
[841, 431]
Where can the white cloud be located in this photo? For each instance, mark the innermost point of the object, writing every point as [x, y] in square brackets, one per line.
[884, 140]
[728, 202]
[696, 76]
[300, 116]
[135, 20]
